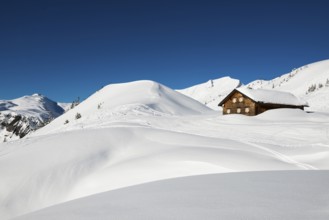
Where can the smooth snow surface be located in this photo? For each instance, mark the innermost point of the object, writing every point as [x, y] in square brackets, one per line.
[272, 97]
[142, 131]
[256, 195]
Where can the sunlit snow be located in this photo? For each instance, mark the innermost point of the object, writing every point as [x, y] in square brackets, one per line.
[139, 132]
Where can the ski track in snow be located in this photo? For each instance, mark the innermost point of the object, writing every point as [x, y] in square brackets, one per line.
[283, 157]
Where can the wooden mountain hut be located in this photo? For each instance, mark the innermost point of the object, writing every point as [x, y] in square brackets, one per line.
[250, 102]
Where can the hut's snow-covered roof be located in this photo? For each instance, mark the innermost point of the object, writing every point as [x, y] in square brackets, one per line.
[272, 96]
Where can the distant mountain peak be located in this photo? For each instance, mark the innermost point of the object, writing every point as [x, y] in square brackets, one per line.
[20, 116]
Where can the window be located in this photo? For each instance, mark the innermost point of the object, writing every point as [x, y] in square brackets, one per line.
[228, 111]
[234, 100]
[247, 110]
[241, 99]
[238, 110]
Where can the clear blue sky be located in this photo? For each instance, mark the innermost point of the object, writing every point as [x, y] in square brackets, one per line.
[69, 48]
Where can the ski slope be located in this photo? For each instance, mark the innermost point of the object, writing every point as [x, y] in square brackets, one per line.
[140, 132]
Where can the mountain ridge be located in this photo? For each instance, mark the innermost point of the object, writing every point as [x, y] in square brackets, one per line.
[309, 82]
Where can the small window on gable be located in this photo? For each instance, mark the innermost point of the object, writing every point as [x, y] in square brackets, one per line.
[228, 111]
[241, 99]
[234, 100]
[238, 110]
[247, 110]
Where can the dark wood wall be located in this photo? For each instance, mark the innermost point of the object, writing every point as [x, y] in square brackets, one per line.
[239, 104]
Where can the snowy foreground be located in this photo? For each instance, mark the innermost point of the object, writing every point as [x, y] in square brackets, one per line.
[140, 132]
[256, 195]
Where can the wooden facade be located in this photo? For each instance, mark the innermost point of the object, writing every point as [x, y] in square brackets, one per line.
[238, 103]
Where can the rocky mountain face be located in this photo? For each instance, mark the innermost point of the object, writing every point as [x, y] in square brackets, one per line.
[21, 116]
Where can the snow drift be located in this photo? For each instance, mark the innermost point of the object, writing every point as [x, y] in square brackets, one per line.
[256, 195]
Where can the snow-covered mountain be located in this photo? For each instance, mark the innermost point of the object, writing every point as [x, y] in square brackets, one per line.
[310, 82]
[138, 132]
[212, 92]
[20, 116]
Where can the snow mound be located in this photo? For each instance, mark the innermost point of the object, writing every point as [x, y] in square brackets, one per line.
[133, 98]
[254, 195]
[211, 92]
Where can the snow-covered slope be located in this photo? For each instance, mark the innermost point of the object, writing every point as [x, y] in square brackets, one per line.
[310, 82]
[253, 195]
[20, 116]
[142, 131]
[211, 92]
[133, 98]
[40, 171]
[64, 105]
